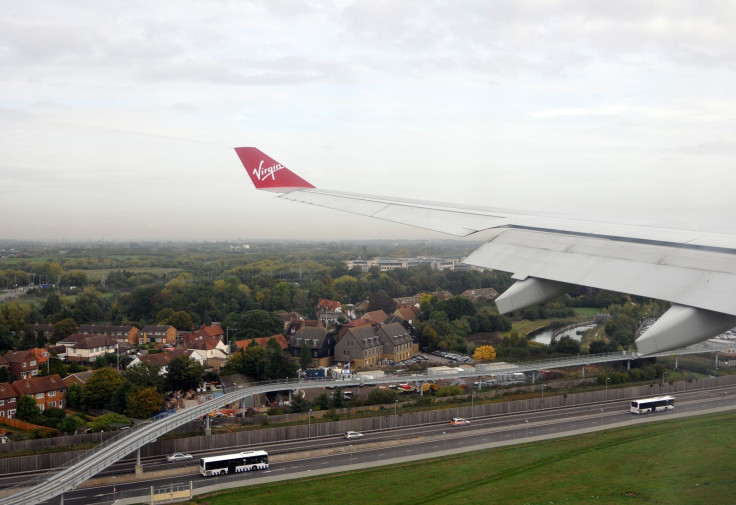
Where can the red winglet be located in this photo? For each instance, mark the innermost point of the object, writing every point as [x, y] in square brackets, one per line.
[267, 173]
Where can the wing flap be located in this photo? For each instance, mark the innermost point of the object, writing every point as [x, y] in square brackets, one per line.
[703, 279]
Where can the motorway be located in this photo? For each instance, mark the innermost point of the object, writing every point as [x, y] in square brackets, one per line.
[297, 458]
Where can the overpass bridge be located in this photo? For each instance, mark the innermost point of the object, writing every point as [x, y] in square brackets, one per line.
[78, 470]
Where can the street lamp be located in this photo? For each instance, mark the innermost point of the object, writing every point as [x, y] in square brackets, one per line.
[444, 441]
[607, 379]
[472, 403]
[396, 420]
[309, 424]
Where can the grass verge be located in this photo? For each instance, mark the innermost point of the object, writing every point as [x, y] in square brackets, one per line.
[685, 461]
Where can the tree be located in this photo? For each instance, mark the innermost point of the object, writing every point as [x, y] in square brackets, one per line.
[380, 300]
[52, 305]
[14, 313]
[566, 345]
[88, 306]
[99, 388]
[75, 395]
[484, 353]
[27, 409]
[456, 307]
[108, 422]
[185, 373]
[259, 323]
[64, 328]
[305, 356]
[70, 424]
[144, 403]
[145, 375]
[382, 396]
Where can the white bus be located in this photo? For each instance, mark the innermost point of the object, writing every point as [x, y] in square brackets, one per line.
[233, 463]
[656, 404]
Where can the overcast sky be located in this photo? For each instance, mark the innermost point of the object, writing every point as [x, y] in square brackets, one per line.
[118, 119]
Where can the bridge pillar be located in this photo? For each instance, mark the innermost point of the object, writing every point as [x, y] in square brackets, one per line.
[138, 466]
[207, 427]
[676, 356]
[583, 367]
[61, 499]
[628, 365]
[534, 377]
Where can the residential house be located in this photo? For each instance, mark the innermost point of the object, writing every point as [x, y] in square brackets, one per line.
[212, 347]
[48, 391]
[294, 325]
[289, 317]
[47, 329]
[375, 316]
[87, 348]
[396, 340]
[211, 331]
[160, 359]
[325, 305]
[8, 400]
[42, 356]
[321, 345]
[158, 334]
[125, 333]
[407, 300]
[79, 378]
[22, 364]
[360, 347]
[407, 312]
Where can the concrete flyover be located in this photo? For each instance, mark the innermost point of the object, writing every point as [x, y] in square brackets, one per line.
[95, 460]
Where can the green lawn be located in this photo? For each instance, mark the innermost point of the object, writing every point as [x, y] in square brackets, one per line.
[688, 461]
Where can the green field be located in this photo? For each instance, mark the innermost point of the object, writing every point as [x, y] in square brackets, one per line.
[688, 461]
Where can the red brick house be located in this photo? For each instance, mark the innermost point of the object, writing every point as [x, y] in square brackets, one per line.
[49, 392]
[23, 364]
[158, 334]
[8, 400]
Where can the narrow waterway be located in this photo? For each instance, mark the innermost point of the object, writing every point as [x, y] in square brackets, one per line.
[575, 333]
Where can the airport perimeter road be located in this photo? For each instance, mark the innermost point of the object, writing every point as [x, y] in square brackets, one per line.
[392, 446]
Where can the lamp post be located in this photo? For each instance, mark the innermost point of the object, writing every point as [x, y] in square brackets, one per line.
[309, 424]
[444, 441]
[607, 379]
[472, 403]
[396, 420]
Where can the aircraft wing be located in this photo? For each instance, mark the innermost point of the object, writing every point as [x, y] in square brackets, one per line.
[548, 256]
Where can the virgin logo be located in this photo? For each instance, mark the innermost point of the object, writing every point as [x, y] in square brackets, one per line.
[263, 173]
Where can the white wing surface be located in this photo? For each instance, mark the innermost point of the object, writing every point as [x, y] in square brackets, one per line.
[548, 256]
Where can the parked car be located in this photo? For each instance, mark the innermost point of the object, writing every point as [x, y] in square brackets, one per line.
[459, 421]
[349, 435]
[178, 456]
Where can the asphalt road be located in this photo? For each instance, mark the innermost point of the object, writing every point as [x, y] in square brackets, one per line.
[421, 441]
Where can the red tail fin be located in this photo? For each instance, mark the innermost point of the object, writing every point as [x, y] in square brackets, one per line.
[267, 173]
